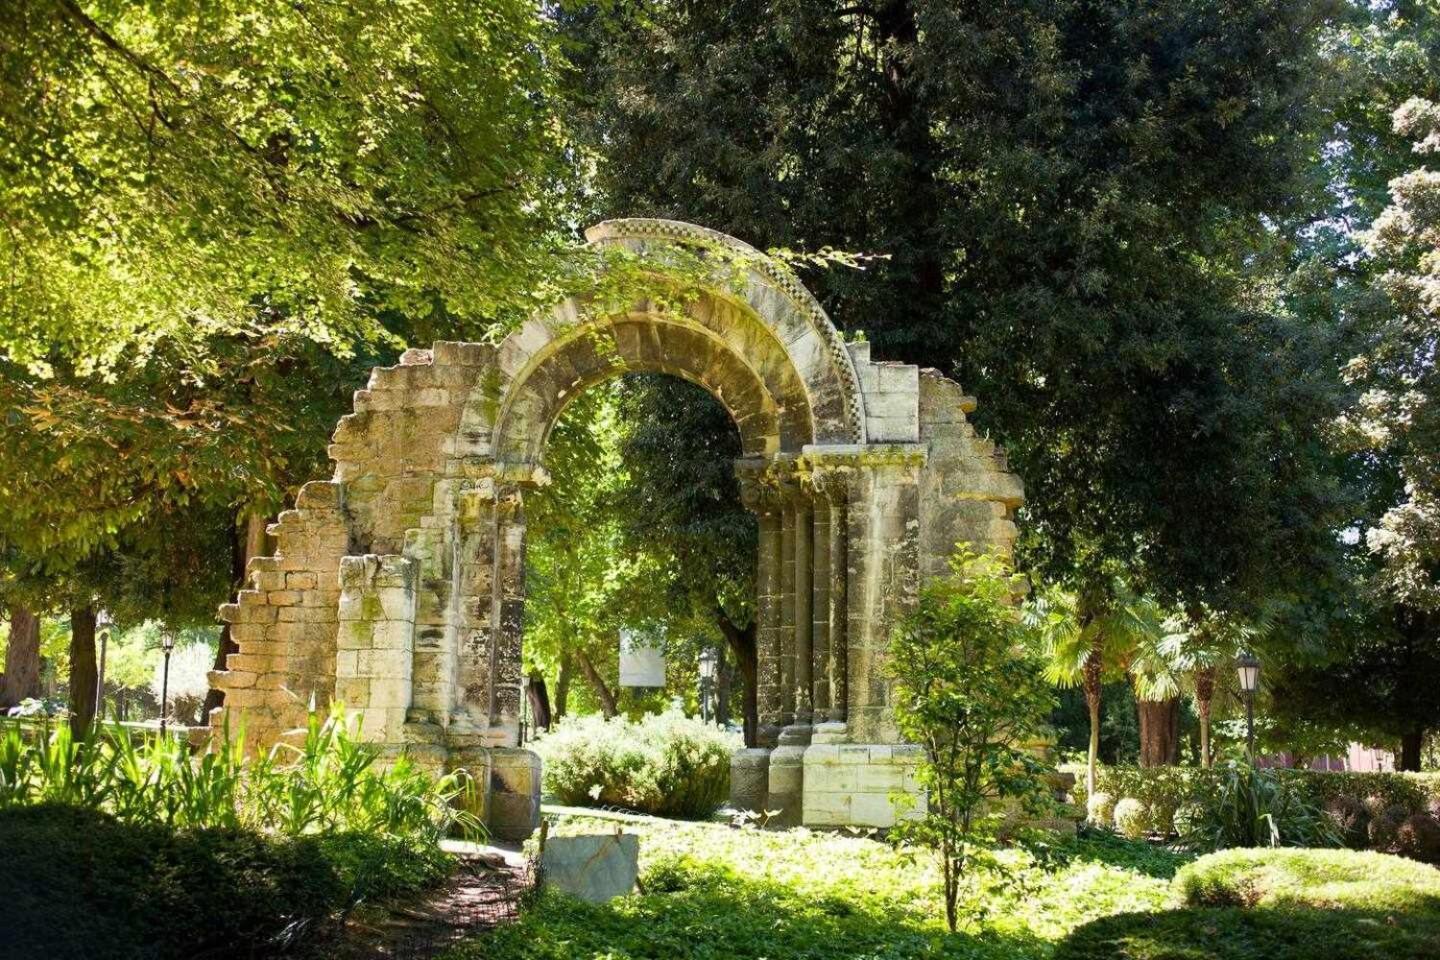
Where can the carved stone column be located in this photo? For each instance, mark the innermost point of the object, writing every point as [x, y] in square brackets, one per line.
[507, 615]
[787, 608]
[804, 603]
[762, 498]
[832, 488]
[883, 558]
[820, 601]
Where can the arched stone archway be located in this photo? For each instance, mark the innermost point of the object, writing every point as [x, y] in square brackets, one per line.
[397, 586]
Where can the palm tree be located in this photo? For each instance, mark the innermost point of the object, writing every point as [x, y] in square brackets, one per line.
[1092, 639]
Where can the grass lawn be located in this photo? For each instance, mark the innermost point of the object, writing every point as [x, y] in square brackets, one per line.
[715, 893]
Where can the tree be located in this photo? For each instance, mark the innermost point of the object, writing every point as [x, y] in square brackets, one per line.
[214, 218]
[1398, 415]
[969, 688]
[21, 679]
[1088, 644]
[1054, 235]
[176, 171]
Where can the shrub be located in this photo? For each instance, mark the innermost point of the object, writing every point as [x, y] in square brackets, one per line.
[666, 764]
[331, 782]
[1385, 824]
[1257, 808]
[1419, 838]
[1100, 809]
[1165, 789]
[1351, 819]
[1131, 818]
[1321, 879]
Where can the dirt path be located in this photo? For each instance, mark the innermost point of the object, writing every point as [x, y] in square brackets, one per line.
[484, 891]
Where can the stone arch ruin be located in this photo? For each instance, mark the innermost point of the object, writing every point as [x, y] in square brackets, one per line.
[397, 586]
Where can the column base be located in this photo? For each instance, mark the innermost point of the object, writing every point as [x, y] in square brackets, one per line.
[851, 784]
[512, 811]
[749, 779]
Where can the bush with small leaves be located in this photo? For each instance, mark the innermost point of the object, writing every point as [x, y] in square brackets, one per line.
[1419, 838]
[1351, 819]
[1100, 809]
[666, 764]
[1385, 827]
[1130, 818]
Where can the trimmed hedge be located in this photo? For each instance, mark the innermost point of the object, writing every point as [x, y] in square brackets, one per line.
[77, 883]
[1163, 790]
[1281, 904]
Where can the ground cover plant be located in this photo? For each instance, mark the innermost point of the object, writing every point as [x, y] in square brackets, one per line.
[1280, 905]
[714, 891]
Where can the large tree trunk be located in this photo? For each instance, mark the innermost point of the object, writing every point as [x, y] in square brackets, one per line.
[742, 642]
[1094, 664]
[562, 686]
[83, 670]
[1410, 744]
[22, 658]
[539, 702]
[1159, 731]
[1204, 695]
[608, 705]
[254, 543]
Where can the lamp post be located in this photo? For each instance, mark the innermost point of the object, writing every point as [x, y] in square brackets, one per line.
[167, 644]
[103, 624]
[708, 662]
[1248, 668]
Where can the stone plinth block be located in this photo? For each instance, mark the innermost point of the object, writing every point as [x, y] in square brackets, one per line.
[513, 810]
[749, 779]
[855, 784]
[786, 785]
[593, 868]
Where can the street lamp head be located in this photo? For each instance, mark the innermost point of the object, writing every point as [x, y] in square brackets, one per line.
[708, 661]
[103, 621]
[1248, 669]
[167, 640]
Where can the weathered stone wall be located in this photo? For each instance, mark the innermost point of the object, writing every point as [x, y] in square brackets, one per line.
[967, 494]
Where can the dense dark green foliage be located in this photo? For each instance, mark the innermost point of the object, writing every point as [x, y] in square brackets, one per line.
[1073, 198]
[79, 884]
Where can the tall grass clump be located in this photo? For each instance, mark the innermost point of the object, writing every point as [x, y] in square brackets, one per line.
[329, 783]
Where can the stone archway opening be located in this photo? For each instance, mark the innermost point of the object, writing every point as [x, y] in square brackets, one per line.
[398, 585]
[640, 531]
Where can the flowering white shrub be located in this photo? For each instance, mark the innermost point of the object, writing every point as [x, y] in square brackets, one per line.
[666, 764]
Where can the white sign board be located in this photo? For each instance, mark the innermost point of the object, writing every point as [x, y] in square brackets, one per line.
[642, 660]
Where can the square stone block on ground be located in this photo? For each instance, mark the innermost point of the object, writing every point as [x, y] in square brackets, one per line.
[593, 868]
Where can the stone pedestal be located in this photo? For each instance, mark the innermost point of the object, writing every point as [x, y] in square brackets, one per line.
[786, 788]
[749, 779]
[513, 809]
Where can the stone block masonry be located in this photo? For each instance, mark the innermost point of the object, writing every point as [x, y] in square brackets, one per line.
[397, 586]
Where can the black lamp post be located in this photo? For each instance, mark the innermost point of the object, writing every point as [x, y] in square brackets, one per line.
[1248, 667]
[167, 644]
[708, 663]
[103, 624]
